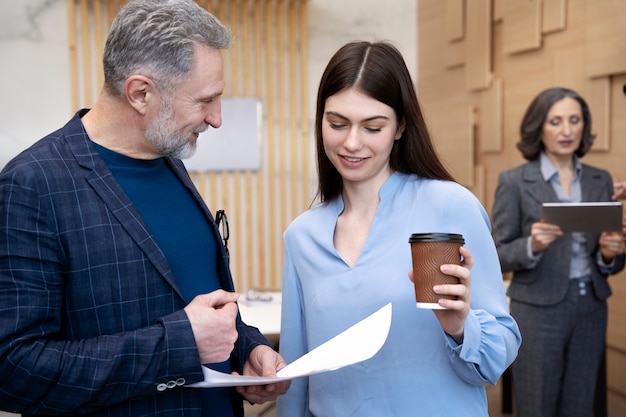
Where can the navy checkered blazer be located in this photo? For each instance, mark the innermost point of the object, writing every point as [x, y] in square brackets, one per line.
[91, 319]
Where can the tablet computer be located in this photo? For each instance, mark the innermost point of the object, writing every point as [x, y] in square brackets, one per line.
[584, 217]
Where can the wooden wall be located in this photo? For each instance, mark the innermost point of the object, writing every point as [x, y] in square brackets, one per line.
[481, 62]
[267, 61]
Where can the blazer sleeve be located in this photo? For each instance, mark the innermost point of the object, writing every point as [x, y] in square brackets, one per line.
[617, 264]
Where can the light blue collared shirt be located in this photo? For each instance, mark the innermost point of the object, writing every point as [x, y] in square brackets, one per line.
[579, 263]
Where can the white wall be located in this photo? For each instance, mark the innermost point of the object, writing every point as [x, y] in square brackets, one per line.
[34, 70]
[332, 23]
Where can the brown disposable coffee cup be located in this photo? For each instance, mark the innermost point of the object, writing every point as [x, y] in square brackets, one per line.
[429, 252]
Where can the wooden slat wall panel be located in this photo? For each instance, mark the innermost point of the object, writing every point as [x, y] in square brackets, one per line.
[88, 24]
[266, 61]
[455, 141]
[455, 20]
[617, 308]
[452, 136]
[454, 54]
[618, 151]
[87, 50]
[73, 54]
[522, 25]
[264, 202]
[479, 183]
[431, 40]
[490, 116]
[565, 73]
[478, 45]
[617, 380]
[598, 97]
[269, 229]
[554, 15]
[498, 10]
[605, 34]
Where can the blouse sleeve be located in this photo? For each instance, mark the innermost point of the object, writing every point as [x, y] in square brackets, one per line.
[491, 336]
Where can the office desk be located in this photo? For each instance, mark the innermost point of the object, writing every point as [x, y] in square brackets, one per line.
[261, 309]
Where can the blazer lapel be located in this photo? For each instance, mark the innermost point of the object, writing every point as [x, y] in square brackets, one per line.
[104, 184]
[535, 187]
[592, 185]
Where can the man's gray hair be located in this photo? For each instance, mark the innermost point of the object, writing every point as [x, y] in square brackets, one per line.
[156, 38]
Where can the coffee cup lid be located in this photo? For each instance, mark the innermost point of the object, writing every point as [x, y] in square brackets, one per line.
[436, 237]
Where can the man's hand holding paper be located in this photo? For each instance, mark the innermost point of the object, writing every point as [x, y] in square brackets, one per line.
[356, 344]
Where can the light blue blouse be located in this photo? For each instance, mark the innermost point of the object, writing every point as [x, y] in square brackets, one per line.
[420, 371]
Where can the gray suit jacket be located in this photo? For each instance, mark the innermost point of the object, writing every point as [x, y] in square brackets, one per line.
[519, 195]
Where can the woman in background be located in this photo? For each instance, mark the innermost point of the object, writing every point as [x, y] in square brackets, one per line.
[380, 180]
[559, 287]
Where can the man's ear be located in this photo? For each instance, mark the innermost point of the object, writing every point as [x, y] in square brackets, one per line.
[139, 90]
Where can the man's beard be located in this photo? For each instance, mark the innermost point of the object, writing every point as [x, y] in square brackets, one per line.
[169, 141]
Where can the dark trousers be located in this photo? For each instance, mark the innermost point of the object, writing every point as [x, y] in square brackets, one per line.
[555, 372]
[600, 404]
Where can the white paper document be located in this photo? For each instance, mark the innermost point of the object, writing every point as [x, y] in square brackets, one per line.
[358, 343]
